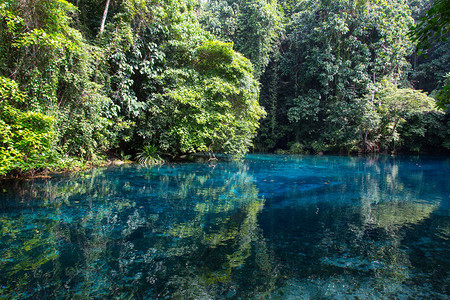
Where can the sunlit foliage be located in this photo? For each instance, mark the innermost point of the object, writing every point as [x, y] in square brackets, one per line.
[153, 77]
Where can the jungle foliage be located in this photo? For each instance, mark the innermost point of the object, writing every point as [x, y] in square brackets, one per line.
[81, 80]
[347, 76]
[152, 79]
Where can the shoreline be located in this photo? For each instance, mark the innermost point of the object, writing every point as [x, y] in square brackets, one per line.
[48, 173]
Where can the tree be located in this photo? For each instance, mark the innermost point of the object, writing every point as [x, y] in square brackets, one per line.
[396, 104]
[338, 51]
[151, 78]
[26, 137]
[434, 25]
[178, 88]
[54, 68]
[253, 25]
[443, 96]
[430, 34]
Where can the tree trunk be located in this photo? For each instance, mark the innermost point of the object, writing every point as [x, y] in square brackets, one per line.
[105, 13]
[365, 141]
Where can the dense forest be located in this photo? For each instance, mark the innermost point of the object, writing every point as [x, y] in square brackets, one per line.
[84, 80]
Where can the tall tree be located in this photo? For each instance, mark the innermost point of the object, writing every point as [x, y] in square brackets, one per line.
[337, 51]
[153, 79]
[430, 34]
[178, 89]
[53, 66]
[253, 25]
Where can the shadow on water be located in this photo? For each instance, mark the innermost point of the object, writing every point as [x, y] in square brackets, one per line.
[279, 227]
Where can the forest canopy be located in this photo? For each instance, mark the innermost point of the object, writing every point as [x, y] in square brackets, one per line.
[84, 80]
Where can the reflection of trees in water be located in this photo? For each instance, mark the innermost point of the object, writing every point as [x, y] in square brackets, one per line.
[174, 232]
[20, 261]
[355, 248]
[43, 230]
[192, 232]
[390, 211]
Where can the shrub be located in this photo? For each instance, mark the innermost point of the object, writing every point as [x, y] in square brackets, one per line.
[149, 156]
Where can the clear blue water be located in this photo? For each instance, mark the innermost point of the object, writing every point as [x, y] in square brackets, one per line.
[274, 227]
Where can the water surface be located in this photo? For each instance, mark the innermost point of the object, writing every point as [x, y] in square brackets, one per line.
[274, 227]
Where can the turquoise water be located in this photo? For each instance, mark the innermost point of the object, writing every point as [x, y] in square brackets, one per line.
[274, 227]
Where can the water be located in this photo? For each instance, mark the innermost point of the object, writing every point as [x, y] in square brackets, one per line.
[274, 227]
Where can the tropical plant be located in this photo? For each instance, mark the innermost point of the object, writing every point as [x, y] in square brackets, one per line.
[149, 156]
[26, 137]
